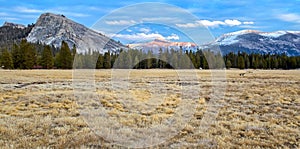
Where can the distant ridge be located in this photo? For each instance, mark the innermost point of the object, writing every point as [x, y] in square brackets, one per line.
[14, 25]
[252, 41]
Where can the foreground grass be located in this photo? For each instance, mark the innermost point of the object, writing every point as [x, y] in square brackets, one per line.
[259, 109]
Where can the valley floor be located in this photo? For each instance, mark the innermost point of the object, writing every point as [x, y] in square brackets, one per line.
[142, 108]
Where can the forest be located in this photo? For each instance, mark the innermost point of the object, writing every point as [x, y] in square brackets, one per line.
[25, 55]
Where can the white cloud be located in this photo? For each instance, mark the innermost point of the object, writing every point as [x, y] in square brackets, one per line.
[173, 37]
[145, 30]
[27, 10]
[139, 36]
[144, 36]
[121, 22]
[208, 23]
[154, 19]
[233, 22]
[248, 23]
[189, 25]
[290, 17]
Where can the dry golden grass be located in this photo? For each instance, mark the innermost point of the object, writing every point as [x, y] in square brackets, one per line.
[259, 110]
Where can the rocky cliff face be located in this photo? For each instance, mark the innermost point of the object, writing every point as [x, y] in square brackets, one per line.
[52, 29]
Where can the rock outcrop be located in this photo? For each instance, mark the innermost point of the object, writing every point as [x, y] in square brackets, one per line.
[52, 29]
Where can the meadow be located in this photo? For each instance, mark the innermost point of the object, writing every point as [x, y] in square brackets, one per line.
[160, 107]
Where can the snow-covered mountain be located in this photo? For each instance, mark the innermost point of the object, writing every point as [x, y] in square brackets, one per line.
[164, 44]
[52, 29]
[249, 41]
[252, 41]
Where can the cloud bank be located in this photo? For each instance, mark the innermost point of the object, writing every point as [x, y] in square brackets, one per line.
[213, 24]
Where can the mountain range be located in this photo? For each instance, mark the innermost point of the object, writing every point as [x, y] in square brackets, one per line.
[249, 41]
[252, 41]
[52, 29]
[164, 44]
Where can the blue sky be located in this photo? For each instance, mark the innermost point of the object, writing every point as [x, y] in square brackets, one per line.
[217, 16]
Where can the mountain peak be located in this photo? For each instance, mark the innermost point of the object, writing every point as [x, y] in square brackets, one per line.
[241, 32]
[53, 19]
[14, 25]
[52, 29]
[49, 14]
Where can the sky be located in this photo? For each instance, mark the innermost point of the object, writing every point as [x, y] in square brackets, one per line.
[176, 20]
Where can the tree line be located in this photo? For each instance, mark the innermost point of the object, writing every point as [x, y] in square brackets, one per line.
[27, 55]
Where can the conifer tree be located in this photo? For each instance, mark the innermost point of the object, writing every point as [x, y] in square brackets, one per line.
[228, 64]
[17, 56]
[100, 60]
[64, 57]
[6, 60]
[241, 62]
[25, 55]
[107, 60]
[47, 58]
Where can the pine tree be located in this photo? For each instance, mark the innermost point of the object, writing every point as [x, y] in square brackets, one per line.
[78, 62]
[199, 59]
[247, 61]
[149, 59]
[100, 61]
[47, 58]
[173, 59]
[162, 59]
[192, 57]
[241, 62]
[128, 59]
[74, 52]
[17, 56]
[204, 63]
[113, 57]
[136, 62]
[107, 60]
[64, 57]
[6, 60]
[219, 61]
[25, 55]
[292, 63]
[228, 64]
